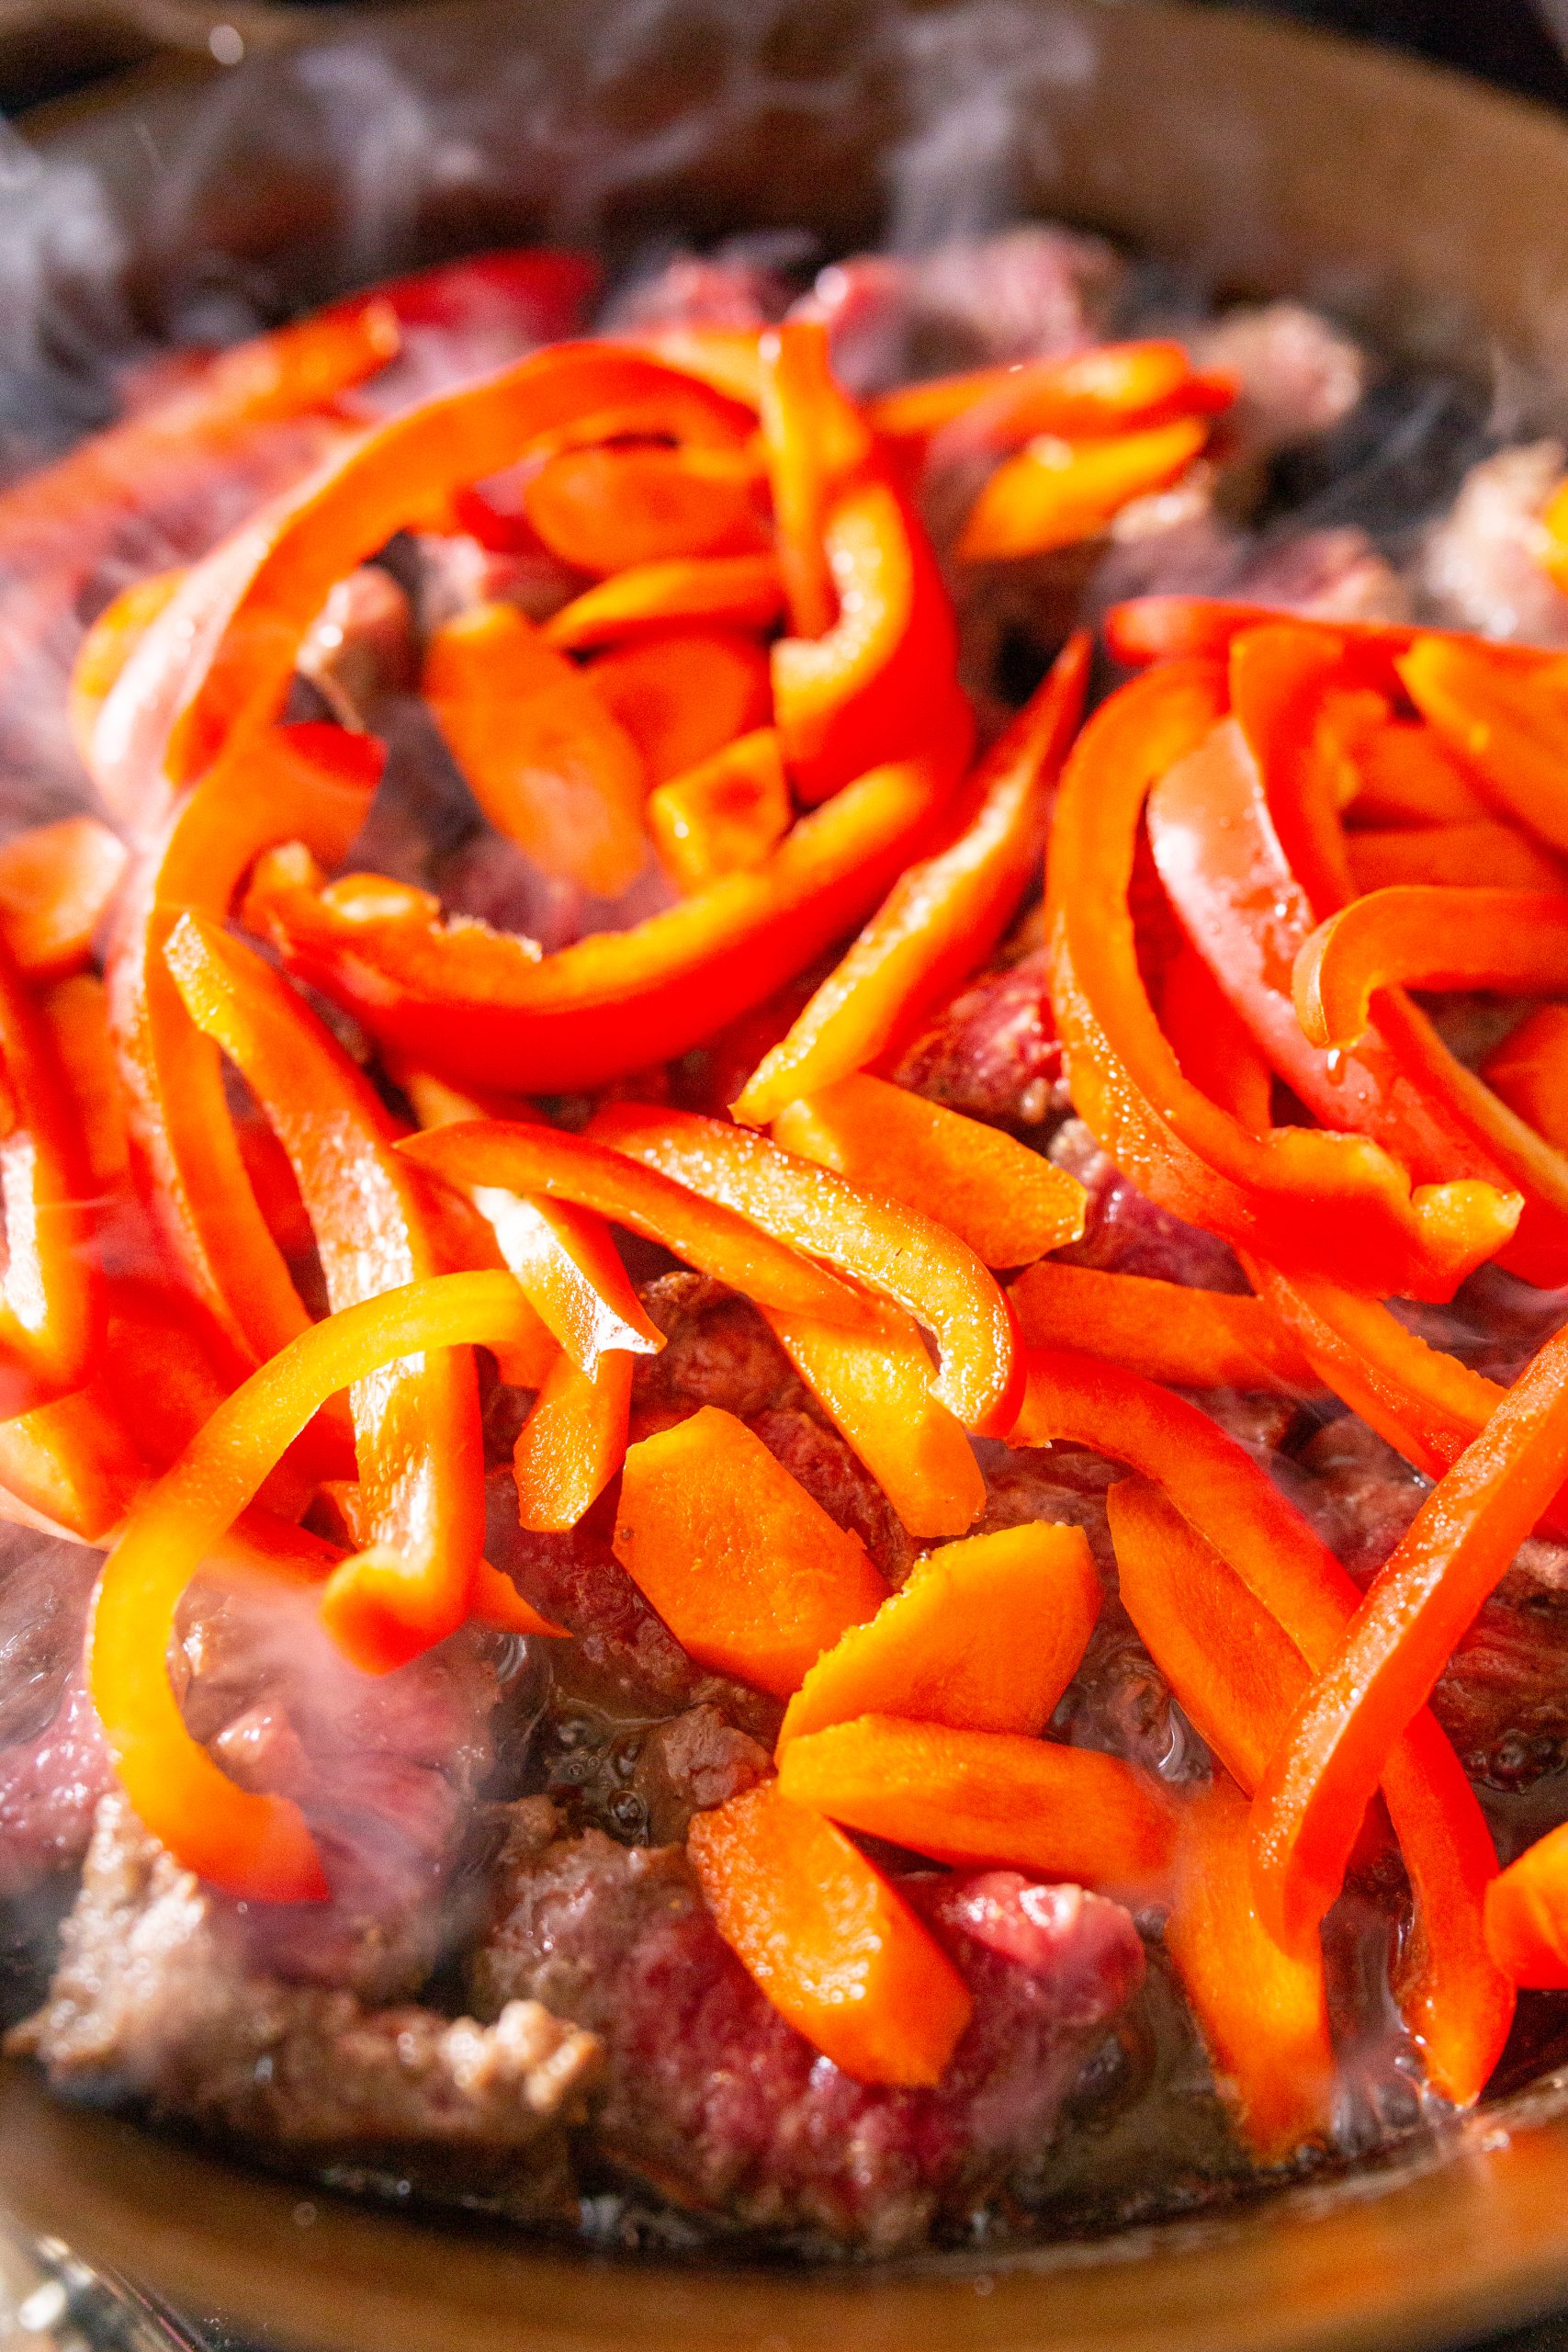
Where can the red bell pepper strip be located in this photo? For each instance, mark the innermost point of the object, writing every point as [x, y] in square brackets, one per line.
[1527, 1913]
[1529, 1072]
[309, 782]
[573, 1441]
[1460, 1545]
[1483, 855]
[106, 649]
[1167, 1331]
[1056, 494]
[1335, 1202]
[1516, 941]
[481, 1006]
[919, 1265]
[49, 1306]
[417, 1423]
[550, 767]
[1187, 629]
[942, 916]
[1403, 777]
[219, 656]
[743, 591]
[1111, 389]
[817, 443]
[606, 509]
[252, 1845]
[76, 1016]
[683, 695]
[68, 1468]
[727, 358]
[726, 815]
[1509, 725]
[713, 1237]
[56, 883]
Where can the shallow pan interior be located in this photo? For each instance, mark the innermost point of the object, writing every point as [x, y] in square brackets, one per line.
[1255, 158]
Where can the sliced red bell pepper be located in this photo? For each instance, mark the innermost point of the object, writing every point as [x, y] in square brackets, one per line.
[683, 695]
[919, 1265]
[1508, 723]
[1527, 1913]
[1187, 629]
[942, 916]
[1167, 1331]
[1335, 1202]
[1009, 1203]
[727, 358]
[743, 591]
[75, 1016]
[106, 649]
[1405, 776]
[1110, 388]
[1483, 855]
[49, 1303]
[691, 1223]
[417, 1423]
[68, 1468]
[1057, 492]
[573, 1441]
[817, 443]
[1516, 941]
[1310, 1804]
[312, 782]
[726, 815]
[549, 765]
[606, 509]
[56, 883]
[1529, 1071]
[254, 1847]
[481, 1006]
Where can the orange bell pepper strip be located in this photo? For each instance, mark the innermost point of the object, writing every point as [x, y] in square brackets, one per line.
[1516, 941]
[219, 657]
[1239, 1677]
[549, 764]
[1224, 868]
[726, 815]
[1203, 629]
[986, 1796]
[1055, 492]
[1281, 686]
[483, 1007]
[943, 915]
[1529, 1072]
[562, 1255]
[1167, 1331]
[1310, 1804]
[833, 1944]
[1483, 855]
[573, 1440]
[817, 443]
[919, 1265]
[417, 1428]
[56, 883]
[875, 1388]
[1509, 725]
[310, 782]
[50, 1302]
[701, 1230]
[741, 592]
[1009, 1203]
[1109, 390]
[986, 1636]
[607, 509]
[68, 1468]
[76, 1016]
[254, 1847]
[727, 358]
[746, 1569]
[683, 695]
[1405, 776]
[1527, 1913]
[1336, 1202]
[1263, 2012]
[108, 646]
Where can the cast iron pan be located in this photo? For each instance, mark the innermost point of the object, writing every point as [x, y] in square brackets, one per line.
[1254, 157]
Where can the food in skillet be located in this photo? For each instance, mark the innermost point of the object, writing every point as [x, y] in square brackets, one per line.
[717, 1523]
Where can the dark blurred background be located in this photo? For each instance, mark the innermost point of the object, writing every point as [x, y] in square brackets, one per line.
[1506, 40]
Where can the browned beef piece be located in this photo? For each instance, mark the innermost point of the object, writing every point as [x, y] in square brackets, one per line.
[696, 1760]
[1297, 374]
[818, 1456]
[1126, 1233]
[54, 1764]
[717, 1351]
[157, 1999]
[993, 1052]
[1482, 566]
[712, 2098]
[359, 650]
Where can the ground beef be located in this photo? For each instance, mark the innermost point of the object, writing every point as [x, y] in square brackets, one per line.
[738, 285]
[718, 1352]
[157, 1999]
[1126, 1233]
[817, 1457]
[54, 1764]
[1481, 568]
[1298, 375]
[359, 650]
[993, 1051]
[1327, 575]
[713, 2099]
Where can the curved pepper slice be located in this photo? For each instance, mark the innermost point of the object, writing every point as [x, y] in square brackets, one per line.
[1310, 1804]
[1527, 1913]
[1403, 777]
[252, 1845]
[919, 1265]
[573, 1440]
[1009, 1203]
[683, 695]
[724, 816]
[417, 1422]
[68, 1468]
[941, 916]
[1239, 1677]
[310, 782]
[986, 1636]
[108, 646]
[1204, 629]
[1167, 1331]
[1335, 1202]
[1529, 1072]
[834, 1946]
[56, 883]
[483, 1006]
[1509, 724]
[1055, 492]
[550, 767]
[1516, 941]
[219, 657]
[75, 1016]
[1090, 393]
[49, 1306]
[986, 1796]
[700, 1228]
[1482, 855]
[746, 1569]
[744, 592]
[605, 509]
[816, 442]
